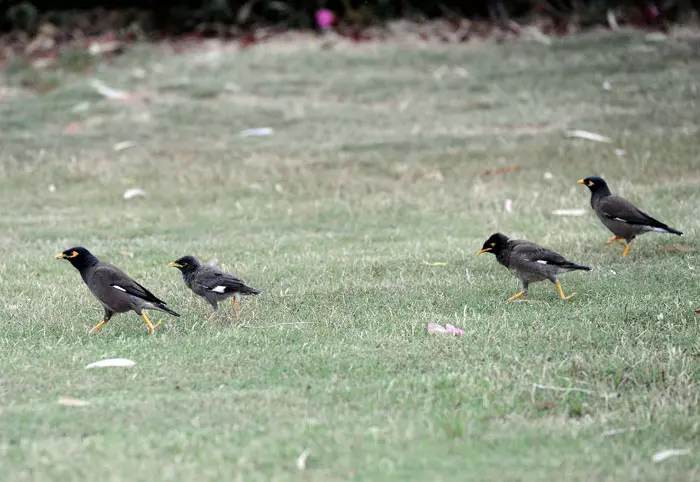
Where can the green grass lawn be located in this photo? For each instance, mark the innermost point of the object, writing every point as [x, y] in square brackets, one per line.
[376, 170]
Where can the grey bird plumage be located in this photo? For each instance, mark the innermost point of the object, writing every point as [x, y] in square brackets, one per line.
[212, 284]
[529, 262]
[621, 217]
[117, 292]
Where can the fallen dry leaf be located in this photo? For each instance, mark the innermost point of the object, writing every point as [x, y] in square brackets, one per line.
[114, 94]
[122, 146]
[302, 459]
[80, 107]
[434, 263]
[508, 206]
[617, 431]
[108, 92]
[591, 136]
[544, 405]
[126, 253]
[677, 248]
[501, 170]
[667, 454]
[257, 132]
[105, 47]
[112, 362]
[72, 402]
[569, 212]
[134, 192]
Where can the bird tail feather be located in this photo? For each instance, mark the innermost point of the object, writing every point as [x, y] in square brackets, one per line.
[660, 227]
[250, 291]
[669, 230]
[574, 267]
[162, 307]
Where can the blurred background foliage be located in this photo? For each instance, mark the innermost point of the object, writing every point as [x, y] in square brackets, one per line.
[221, 17]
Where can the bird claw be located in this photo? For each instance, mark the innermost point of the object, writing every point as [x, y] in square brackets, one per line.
[569, 297]
[95, 328]
[515, 297]
[613, 239]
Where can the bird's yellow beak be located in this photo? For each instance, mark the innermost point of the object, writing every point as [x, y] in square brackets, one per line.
[581, 181]
[482, 251]
[174, 265]
[65, 256]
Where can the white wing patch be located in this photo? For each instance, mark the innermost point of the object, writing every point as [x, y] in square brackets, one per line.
[541, 261]
[117, 287]
[621, 220]
[219, 289]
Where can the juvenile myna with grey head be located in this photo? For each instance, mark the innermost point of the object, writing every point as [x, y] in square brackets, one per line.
[529, 262]
[212, 284]
[620, 216]
[117, 292]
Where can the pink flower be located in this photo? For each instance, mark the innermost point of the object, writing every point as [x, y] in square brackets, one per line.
[438, 328]
[324, 18]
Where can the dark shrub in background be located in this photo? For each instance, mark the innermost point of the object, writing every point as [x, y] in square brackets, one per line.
[178, 16]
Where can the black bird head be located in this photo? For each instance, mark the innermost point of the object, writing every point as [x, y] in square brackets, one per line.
[495, 244]
[596, 184]
[79, 257]
[186, 264]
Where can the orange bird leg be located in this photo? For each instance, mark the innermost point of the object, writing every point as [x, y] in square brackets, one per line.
[236, 304]
[627, 249]
[561, 292]
[614, 238]
[97, 326]
[515, 297]
[151, 329]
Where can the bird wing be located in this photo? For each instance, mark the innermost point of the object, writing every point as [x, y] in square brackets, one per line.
[119, 280]
[619, 209]
[535, 253]
[213, 279]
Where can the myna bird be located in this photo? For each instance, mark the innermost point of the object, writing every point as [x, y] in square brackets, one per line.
[117, 292]
[529, 262]
[212, 284]
[620, 216]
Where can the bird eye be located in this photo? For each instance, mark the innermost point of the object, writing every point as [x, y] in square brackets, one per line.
[493, 245]
[74, 254]
[184, 264]
[590, 183]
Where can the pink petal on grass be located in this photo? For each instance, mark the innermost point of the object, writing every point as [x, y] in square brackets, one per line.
[451, 329]
[435, 328]
[454, 329]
